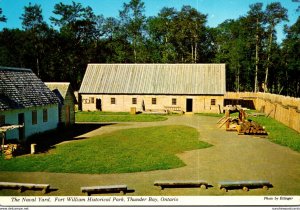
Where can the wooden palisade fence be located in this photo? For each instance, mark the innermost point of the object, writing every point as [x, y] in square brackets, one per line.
[284, 109]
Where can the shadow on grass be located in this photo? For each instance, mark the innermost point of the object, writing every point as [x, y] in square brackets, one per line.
[47, 140]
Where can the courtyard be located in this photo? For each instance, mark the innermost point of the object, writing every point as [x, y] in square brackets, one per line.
[231, 157]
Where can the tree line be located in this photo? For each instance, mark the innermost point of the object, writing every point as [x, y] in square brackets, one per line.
[76, 36]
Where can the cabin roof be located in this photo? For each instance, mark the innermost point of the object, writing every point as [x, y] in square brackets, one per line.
[185, 79]
[21, 88]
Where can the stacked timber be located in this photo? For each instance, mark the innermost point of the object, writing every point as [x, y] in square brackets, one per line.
[240, 124]
[9, 151]
[251, 128]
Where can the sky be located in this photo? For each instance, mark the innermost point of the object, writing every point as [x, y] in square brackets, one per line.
[217, 11]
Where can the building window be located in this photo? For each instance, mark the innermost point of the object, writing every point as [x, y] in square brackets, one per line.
[2, 120]
[113, 100]
[174, 101]
[153, 100]
[134, 101]
[34, 117]
[92, 100]
[45, 115]
[213, 102]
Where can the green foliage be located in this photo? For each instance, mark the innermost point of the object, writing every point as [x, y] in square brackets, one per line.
[131, 150]
[77, 36]
[2, 17]
[133, 24]
[291, 54]
[116, 117]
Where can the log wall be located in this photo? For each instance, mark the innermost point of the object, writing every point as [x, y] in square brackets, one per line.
[284, 109]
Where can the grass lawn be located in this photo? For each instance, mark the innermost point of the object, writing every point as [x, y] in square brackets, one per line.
[117, 117]
[279, 133]
[131, 150]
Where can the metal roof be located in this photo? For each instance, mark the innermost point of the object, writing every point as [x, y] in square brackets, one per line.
[181, 79]
[21, 88]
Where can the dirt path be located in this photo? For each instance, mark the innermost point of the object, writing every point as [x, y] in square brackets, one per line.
[232, 157]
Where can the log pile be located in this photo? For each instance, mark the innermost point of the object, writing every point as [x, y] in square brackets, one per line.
[240, 124]
[9, 151]
[250, 128]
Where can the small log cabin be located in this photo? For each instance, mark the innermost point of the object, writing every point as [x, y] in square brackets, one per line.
[152, 87]
[67, 100]
[26, 100]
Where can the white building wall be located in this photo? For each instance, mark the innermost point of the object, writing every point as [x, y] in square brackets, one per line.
[124, 102]
[11, 117]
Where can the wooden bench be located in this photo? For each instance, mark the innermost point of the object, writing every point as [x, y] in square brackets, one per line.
[245, 185]
[25, 186]
[181, 183]
[175, 109]
[104, 189]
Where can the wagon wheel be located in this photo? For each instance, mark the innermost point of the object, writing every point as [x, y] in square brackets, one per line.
[224, 189]
[203, 186]
[44, 191]
[245, 188]
[21, 189]
[265, 187]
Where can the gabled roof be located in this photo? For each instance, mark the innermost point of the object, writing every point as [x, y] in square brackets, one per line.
[21, 88]
[61, 89]
[181, 79]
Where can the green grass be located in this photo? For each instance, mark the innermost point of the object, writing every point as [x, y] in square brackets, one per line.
[131, 150]
[279, 133]
[117, 117]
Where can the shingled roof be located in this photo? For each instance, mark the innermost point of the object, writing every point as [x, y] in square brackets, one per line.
[61, 89]
[183, 79]
[21, 88]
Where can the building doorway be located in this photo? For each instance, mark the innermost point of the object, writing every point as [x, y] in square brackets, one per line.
[189, 105]
[67, 115]
[98, 104]
[21, 121]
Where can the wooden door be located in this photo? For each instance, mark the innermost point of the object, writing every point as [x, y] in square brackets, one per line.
[67, 115]
[189, 105]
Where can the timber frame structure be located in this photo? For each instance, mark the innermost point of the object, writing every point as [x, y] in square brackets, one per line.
[153, 87]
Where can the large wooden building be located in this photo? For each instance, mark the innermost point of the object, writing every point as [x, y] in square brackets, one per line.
[150, 87]
[26, 100]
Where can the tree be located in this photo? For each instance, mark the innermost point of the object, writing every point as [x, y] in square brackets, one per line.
[190, 26]
[12, 43]
[256, 17]
[33, 23]
[275, 14]
[78, 34]
[161, 34]
[2, 17]
[75, 21]
[133, 24]
[291, 54]
[117, 47]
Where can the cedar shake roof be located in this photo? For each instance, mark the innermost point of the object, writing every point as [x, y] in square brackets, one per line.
[21, 88]
[170, 79]
[61, 89]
